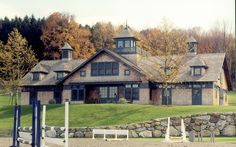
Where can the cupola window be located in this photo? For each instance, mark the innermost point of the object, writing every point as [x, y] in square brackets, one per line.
[120, 44]
[127, 43]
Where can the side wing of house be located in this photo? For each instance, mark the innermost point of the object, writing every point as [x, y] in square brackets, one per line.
[105, 78]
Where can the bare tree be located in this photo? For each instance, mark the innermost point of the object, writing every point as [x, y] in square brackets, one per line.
[169, 53]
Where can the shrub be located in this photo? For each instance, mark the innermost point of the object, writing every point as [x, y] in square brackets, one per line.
[52, 101]
[122, 101]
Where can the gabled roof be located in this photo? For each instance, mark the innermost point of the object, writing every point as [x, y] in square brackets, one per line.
[40, 68]
[197, 61]
[214, 61]
[114, 55]
[50, 77]
[66, 47]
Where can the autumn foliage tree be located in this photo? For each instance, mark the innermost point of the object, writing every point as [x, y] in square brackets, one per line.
[102, 35]
[16, 59]
[60, 28]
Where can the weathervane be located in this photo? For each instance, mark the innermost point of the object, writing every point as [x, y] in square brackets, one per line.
[126, 26]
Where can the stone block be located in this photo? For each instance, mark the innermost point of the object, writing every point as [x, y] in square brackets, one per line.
[145, 134]
[230, 130]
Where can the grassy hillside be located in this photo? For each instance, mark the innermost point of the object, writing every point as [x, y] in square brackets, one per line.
[107, 114]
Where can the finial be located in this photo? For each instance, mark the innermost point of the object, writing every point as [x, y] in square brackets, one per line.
[126, 25]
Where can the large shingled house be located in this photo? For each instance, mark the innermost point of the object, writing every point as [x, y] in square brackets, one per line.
[123, 72]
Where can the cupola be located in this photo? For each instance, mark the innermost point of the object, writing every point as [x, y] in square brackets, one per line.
[126, 42]
[192, 45]
[66, 52]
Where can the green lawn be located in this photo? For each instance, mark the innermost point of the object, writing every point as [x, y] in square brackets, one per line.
[4, 100]
[232, 97]
[82, 115]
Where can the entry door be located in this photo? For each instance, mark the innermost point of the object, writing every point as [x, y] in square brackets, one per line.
[33, 97]
[81, 94]
[166, 98]
[196, 96]
[57, 96]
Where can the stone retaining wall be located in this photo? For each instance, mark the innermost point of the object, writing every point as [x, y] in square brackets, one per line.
[223, 124]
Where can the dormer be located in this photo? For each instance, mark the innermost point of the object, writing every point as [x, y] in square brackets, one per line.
[66, 52]
[38, 72]
[125, 42]
[62, 70]
[192, 45]
[198, 67]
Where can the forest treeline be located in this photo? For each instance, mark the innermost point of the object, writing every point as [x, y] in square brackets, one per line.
[45, 35]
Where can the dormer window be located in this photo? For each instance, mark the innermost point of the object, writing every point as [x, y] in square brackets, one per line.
[60, 75]
[198, 67]
[197, 71]
[36, 76]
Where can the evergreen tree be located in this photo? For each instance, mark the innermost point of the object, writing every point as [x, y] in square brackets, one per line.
[29, 27]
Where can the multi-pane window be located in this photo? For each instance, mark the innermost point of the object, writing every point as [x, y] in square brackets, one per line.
[197, 71]
[115, 68]
[128, 92]
[36, 76]
[104, 68]
[112, 92]
[127, 43]
[108, 92]
[108, 68]
[132, 92]
[101, 68]
[103, 92]
[120, 44]
[94, 69]
[77, 94]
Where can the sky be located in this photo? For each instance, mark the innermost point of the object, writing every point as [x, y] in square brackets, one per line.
[140, 14]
